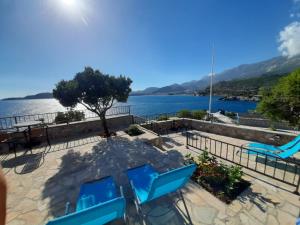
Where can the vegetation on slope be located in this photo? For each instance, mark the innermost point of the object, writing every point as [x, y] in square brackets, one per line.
[282, 101]
[244, 87]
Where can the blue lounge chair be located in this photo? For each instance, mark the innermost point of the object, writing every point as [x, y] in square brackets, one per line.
[261, 146]
[148, 184]
[97, 204]
[283, 154]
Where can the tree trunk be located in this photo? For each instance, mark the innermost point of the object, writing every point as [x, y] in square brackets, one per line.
[104, 124]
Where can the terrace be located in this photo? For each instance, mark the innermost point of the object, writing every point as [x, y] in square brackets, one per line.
[41, 182]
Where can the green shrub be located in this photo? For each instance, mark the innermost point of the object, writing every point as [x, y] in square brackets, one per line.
[198, 114]
[162, 118]
[210, 171]
[185, 113]
[234, 175]
[69, 116]
[133, 130]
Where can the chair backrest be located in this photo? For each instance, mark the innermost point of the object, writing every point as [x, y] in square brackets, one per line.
[291, 143]
[95, 215]
[170, 181]
[289, 152]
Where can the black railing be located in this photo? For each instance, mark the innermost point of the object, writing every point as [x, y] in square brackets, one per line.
[284, 170]
[8, 123]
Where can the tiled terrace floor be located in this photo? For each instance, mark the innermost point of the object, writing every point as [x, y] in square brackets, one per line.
[41, 184]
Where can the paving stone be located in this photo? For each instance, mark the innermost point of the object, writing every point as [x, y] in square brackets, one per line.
[17, 222]
[32, 217]
[230, 212]
[272, 211]
[235, 206]
[290, 197]
[167, 216]
[258, 188]
[285, 219]
[258, 213]
[222, 215]
[204, 214]
[11, 215]
[233, 221]
[275, 200]
[248, 220]
[33, 194]
[42, 205]
[291, 209]
[218, 222]
[26, 205]
[272, 220]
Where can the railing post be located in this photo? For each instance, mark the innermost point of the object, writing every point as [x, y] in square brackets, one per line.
[186, 134]
[298, 185]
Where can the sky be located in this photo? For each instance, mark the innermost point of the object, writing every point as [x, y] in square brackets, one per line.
[154, 42]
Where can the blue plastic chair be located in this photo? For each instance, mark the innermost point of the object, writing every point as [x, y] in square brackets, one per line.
[148, 184]
[97, 204]
[261, 146]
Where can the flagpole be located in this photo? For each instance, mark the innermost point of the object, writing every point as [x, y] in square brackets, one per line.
[211, 78]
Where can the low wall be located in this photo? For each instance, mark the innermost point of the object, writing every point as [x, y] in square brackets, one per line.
[162, 127]
[241, 132]
[231, 130]
[89, 126]
[257, 122]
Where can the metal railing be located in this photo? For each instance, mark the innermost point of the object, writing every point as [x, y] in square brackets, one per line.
[7, 123]
[284, 170]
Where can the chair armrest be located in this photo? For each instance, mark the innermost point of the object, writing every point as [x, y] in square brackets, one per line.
[121, 191]
[67, 210]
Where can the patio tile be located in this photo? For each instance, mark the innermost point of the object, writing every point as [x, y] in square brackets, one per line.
[41, 194]
[272, 220]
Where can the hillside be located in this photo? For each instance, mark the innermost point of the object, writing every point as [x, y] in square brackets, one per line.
[244, 86]
[44, 95]
[276, 65]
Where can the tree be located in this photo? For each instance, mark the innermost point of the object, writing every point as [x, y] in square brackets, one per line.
[282, 101]
[94, 90]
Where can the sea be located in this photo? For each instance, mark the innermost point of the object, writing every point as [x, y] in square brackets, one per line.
[140, 105]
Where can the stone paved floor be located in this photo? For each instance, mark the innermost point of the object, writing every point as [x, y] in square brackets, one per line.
[40, 184]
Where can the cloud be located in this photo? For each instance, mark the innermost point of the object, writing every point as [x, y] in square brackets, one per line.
[289, 39]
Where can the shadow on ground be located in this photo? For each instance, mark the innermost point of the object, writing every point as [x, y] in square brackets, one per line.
[109, 157]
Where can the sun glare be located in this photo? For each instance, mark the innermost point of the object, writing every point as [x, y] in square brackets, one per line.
[73, 9]
[68, 3]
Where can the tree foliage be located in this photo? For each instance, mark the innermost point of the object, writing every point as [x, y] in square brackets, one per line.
[282, 101]
[94, 90]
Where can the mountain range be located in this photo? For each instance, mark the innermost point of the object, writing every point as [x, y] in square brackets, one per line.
[44, 95]
[274, 66]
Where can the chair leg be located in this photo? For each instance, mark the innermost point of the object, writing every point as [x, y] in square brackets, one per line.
[140, 211]
[185, 207]
[47, 136]
[125, 218]
[13, 147]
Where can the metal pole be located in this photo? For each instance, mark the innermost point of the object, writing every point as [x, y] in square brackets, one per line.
[211, 79]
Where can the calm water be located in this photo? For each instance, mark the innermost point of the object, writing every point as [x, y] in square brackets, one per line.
[141, 105]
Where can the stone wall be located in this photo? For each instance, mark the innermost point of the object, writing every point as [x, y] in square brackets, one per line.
[241, 132]
[236, 131]
[257, 122]
[83, 128]
[162, 127]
